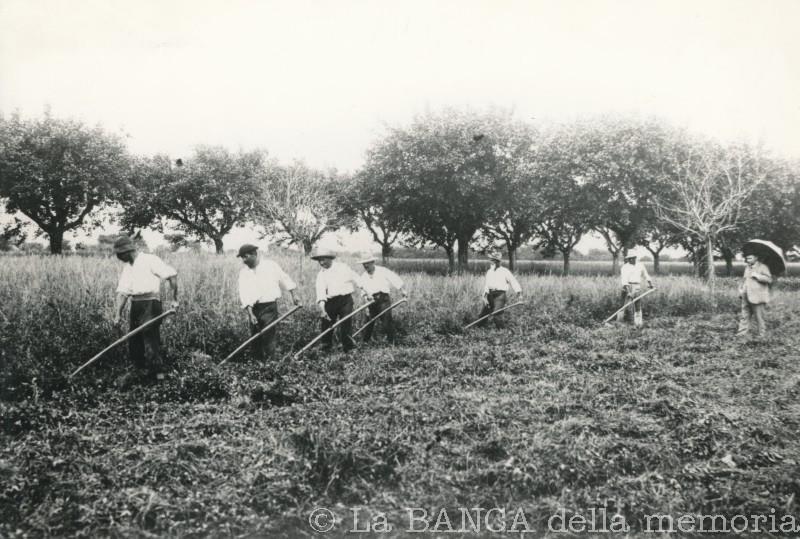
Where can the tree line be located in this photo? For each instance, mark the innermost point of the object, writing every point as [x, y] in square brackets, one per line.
[458, 180]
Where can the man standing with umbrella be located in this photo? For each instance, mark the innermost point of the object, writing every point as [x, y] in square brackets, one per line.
[633, 275]
[140, 281]
[377, 282]
[498, 281]
[763, 260]
[335, 285]
[260, 284]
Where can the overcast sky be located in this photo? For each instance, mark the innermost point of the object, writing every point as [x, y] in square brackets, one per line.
[318, 80]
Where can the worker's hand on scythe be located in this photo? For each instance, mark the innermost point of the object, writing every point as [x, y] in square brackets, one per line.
[174, 304]
[485, 300]
[119, 323]
[322, 312]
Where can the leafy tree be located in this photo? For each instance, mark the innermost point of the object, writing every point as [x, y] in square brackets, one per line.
[517, 208]
[205, 196]
[570, 210]
[440, 175]
[623, 160]
[656, 237]
[366, 202]
[12, 235]
[773, 210]
[58, 173]
[298, 205]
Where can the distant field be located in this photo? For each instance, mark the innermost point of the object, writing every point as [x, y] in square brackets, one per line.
[555, 267]
[555, 413]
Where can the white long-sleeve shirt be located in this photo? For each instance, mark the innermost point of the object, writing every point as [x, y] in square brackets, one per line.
[144, 275]
[500, 279]
[381, 280]
[634, 274]
[262, 284]
[338, 280]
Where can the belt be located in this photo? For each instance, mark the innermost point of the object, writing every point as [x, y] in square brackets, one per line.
[634, 282]
[146, 297]
[264, 303]
[496, 290]
[380, 294]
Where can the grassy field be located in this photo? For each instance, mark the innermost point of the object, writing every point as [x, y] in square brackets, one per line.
[555, 413]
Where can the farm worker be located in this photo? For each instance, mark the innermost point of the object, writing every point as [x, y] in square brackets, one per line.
[335, 285]
[140, 281]
[632, 275]
[754, 292]
[377, 282]
[498, 281]
[260, 284]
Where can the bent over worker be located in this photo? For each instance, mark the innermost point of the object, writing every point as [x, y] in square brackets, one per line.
[754, 294]
[377, 282]
[498, 281]
[140, 282]
[633, 275]
[335, 285]
[260, 283]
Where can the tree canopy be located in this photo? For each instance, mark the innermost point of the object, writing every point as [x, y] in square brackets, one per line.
[206, 195]
[58, 173]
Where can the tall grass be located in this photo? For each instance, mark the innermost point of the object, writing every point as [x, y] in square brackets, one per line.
[57, 311]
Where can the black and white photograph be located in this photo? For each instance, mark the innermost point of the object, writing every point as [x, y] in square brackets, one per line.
[432, 268]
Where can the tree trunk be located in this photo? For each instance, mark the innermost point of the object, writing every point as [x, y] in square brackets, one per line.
[656, 262]
[386, 251]
[512, 257]
[615, 263]
[710, 273]
[566, 262]
[451, 260]
[56, 239]
[463, 254]
[308, 246]
[728, 263]
[219, 246]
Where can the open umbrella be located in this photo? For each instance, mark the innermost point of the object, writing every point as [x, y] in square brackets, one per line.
[769, 253]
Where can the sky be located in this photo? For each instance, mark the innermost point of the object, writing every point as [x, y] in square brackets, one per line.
[321, 80]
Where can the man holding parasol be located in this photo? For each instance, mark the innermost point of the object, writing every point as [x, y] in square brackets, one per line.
[764, 261]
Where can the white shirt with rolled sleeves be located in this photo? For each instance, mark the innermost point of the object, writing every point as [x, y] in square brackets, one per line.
[634, 274]
[501, 279]
[262, 284]
[381, 280]
[144, 275]
[338, 280]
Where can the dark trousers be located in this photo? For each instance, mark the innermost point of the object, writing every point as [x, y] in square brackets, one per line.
[338, 307]
[382, 302]
[264, 346]
[497, 300]
[145, 347]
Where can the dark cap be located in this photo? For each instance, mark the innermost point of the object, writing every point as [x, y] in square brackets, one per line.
[123, 244]
[247, 248]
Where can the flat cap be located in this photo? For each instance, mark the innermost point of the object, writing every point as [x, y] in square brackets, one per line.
[368, 258]
[247, 248]
[123, 244]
